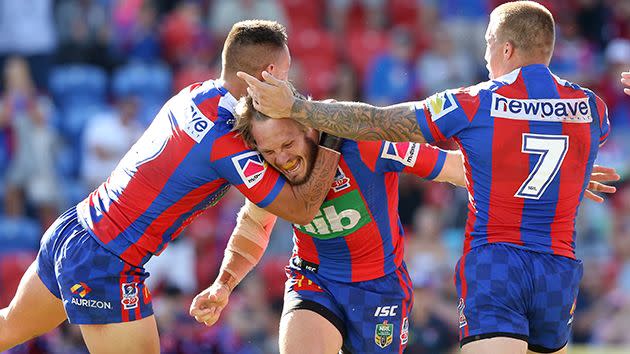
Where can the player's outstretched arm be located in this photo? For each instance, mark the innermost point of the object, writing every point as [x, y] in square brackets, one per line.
[353, 120]
[625, 79]
[246, 246]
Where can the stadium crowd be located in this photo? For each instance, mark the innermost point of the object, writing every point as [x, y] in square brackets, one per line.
[81, 79]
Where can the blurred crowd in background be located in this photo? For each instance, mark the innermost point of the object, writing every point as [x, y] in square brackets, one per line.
[81, 79]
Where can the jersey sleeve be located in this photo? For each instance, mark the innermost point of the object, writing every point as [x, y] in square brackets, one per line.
[604, 123]
[423, 160]
[447, 113]
[251, 175]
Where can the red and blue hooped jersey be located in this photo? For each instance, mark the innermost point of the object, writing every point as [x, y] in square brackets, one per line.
[184, 163]
[529, 141]
[357, 234]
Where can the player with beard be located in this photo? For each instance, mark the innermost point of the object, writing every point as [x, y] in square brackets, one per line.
[322, 271]
[347, 281]
[529, 141]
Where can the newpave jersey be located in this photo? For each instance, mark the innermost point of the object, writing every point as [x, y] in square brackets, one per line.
[357, 234]
[184, 163]
[529, 141]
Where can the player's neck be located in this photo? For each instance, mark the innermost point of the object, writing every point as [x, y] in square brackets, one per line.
[234, 85]
[522, 62]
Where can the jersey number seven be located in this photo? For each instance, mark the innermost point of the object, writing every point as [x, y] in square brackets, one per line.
[551, 150]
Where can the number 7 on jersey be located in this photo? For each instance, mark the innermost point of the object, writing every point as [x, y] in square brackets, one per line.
[551, 150]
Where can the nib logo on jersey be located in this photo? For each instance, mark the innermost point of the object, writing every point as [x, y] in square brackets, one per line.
[251, 167]
[82, 290]
[338, 217]
[405, 153]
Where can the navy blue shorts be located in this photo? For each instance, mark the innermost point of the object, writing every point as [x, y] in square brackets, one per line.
[372, 316]
[506, 291]
[96, 286]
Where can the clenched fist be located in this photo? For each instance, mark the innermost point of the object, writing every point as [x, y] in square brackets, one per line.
[206, 307]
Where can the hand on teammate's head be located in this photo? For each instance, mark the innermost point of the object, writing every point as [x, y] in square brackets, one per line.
[272, 97]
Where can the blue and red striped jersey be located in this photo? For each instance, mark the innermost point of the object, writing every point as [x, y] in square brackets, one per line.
[529, 141]
[357, 234]
[184, 163]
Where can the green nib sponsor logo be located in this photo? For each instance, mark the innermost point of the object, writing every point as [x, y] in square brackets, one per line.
[338, 217]
[384, 334]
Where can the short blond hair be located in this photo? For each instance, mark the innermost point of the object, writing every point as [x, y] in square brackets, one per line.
[246, 114]
[252, 45]
[528, 25]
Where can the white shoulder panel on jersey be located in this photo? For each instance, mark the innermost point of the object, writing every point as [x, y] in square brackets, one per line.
[190, 118]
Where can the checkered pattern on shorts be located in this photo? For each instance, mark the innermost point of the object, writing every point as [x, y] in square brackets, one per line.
[512, 292]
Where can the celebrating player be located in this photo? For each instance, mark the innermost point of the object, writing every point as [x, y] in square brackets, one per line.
[625, 79]
[310, 304]
[347, 279]
[529, 140]
[90, 265]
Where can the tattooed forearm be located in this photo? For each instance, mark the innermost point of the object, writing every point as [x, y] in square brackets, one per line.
[315, 189]
[360, 121]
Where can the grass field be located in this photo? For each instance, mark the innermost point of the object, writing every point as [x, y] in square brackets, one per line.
[604, 350]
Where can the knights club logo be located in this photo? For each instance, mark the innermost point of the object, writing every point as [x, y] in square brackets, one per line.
[404, 332]
[251, 167]
[129, 295]
[341, 181]
[405, 153]
[80, 289]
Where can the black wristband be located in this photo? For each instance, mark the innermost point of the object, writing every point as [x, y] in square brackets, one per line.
[331, 142]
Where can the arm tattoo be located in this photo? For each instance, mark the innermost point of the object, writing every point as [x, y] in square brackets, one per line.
[315, 189]
[360, 121]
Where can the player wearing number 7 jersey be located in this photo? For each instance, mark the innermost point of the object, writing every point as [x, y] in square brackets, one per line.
[529, 140]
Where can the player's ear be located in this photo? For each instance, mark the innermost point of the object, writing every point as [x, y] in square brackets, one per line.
[270, 68]
[508, 50]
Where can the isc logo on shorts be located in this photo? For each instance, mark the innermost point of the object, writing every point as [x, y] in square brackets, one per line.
[251, 167]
